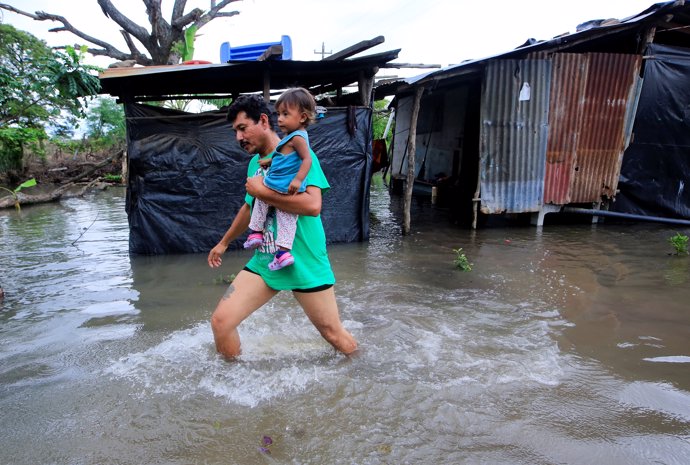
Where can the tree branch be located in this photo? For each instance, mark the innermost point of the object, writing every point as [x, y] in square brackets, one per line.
[135, 53]
[159, 26]
[199, 19]
[189, 18]
[4, 6]
[159, 42]
[178, 10]
[108, 50]
[141, 34]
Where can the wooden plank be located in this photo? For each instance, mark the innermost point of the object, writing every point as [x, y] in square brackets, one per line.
[355, 49]
[272, 52]
[410, 65]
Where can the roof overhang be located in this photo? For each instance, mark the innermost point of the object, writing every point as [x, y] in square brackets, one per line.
[233, 78]
[668, 20]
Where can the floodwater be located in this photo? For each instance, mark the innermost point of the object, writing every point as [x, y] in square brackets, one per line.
[565, 345]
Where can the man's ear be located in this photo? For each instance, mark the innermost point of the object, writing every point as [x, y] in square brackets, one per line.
[263, 119]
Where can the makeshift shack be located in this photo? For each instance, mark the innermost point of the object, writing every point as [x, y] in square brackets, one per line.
[583, 119]
[186, 172]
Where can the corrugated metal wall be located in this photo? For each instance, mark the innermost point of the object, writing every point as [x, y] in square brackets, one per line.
[513, 135]
[568, 80]
[610, 93]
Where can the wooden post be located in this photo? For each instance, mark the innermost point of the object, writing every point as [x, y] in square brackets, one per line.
[267, 85]
[411, 147]
[366, 86]
[648, 39]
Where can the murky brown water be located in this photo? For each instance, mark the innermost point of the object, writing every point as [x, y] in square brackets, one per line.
[569, 345]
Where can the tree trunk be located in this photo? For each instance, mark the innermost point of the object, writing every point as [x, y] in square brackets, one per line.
[60, 192]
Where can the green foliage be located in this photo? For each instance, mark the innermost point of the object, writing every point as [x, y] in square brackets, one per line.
[219, 103]
[380, 121]
[679, 243]
[185, 48]
[461, 261]
[189, 37]
[224, 279]
[113, 177]
[105, 123]
[14, 140]
[72, 79]
[24, 185]
[37, 85]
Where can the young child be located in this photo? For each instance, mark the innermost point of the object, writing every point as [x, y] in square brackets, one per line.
[289, 167]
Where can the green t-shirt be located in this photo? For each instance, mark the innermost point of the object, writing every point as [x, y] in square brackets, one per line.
[312, 267]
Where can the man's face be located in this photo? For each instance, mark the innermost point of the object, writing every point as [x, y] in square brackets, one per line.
[249, 134]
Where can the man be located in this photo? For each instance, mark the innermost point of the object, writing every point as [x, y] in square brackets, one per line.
[310, 279]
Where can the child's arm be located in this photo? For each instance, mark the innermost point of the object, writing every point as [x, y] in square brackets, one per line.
[302, 148]
[308, 203]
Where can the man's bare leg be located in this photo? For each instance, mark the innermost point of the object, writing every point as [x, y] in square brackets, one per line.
[322, 310]
[246, 294]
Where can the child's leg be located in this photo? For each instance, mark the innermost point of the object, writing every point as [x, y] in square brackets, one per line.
[259, 212]
[287, 227]
[256, 224]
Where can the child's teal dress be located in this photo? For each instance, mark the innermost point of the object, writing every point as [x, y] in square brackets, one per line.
[284, 167]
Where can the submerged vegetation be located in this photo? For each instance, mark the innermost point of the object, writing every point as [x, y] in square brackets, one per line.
[679, 243]
[461, 261]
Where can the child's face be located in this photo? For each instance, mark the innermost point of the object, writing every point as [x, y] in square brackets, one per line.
[290, 118]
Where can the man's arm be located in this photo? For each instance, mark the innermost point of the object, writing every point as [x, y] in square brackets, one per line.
[307, 203]
[238, 226]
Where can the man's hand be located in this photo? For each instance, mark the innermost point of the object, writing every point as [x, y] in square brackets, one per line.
[214, 260]
[254, 185]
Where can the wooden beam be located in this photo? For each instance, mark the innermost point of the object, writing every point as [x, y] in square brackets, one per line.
[271, 53]
[409, 65]
[411, 147]
[355, 49]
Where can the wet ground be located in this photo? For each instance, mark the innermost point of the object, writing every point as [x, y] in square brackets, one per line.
[567, 345]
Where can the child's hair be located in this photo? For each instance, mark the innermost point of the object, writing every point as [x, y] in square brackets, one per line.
[301, 98]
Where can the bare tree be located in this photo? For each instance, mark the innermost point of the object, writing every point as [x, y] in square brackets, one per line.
[160, 41]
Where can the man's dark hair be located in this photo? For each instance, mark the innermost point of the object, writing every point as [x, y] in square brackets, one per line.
[253, 105]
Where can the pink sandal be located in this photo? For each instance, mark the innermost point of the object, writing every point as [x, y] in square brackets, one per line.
[254, 240]
[285, 259]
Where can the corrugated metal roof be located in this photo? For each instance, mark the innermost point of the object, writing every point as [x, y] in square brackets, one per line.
[513, 135]
[655, 14]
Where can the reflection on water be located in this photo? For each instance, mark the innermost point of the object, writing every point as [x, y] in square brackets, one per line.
[563, 345]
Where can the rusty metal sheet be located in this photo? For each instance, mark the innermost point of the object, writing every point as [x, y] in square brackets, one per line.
[513, 135]
[610, 92]
[566, 102]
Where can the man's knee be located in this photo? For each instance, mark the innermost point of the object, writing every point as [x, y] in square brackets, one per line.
[220, 320]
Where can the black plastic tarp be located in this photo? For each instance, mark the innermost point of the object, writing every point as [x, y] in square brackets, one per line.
[187, 175]
[655, 173]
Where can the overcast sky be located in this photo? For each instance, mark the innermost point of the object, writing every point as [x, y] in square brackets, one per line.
[428, 31]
